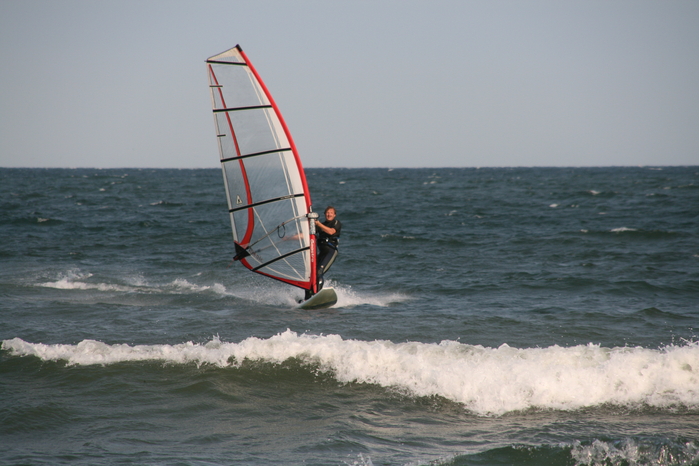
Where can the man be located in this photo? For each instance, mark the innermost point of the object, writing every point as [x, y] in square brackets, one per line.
[328, 234]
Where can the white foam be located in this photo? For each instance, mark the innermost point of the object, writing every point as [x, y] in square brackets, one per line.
[282, 295]
[271, 294]
[181, 284]
[622, 229]
[348, 297]
[77, 280]
[631, 451]
[274, 295]
[68, 284]
[485, 380]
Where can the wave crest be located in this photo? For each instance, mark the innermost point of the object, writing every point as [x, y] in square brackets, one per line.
[487, 381]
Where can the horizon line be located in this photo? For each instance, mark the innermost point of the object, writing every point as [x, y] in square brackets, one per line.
[362, 168]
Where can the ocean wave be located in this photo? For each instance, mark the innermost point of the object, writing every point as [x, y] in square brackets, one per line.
[348, 297]
[75, 279]
[636, 451]
[627, 451]
[274, 296]
[637, 233]
[286, 296]
[167, 203]
[486, 381]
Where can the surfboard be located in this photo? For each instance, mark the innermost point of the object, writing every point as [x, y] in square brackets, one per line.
[321, 300]
[269, 203]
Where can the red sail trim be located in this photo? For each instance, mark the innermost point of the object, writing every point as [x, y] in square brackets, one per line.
[312, 285]
[298, 283]
[248, 192]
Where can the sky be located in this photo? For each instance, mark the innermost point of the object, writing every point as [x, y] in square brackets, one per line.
[115, 84]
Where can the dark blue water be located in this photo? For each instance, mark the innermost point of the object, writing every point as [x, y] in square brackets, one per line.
[525, 316]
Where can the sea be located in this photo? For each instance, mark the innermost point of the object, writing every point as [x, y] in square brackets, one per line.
[486, 317]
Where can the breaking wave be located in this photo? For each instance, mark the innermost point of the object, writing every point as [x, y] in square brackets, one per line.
[486, 381]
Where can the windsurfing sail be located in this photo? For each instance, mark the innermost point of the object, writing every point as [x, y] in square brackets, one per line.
[268, 198]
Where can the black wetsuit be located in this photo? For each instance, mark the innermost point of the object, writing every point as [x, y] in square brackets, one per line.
[327, 248]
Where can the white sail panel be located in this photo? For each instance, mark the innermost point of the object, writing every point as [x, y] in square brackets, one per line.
[265, 184]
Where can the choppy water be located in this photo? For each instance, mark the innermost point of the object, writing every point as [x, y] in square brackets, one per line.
[522, 316]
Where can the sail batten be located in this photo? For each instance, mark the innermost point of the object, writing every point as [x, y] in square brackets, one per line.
[266, 188]
[279, 258]
[267, 201]
[235, 109]
[253, 155]
[214, 62]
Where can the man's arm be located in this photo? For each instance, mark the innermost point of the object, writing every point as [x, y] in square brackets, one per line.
[327, 230]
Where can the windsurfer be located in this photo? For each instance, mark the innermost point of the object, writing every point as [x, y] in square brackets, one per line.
[328, 234]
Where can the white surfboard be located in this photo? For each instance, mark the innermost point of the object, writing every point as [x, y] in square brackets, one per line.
[321, 300]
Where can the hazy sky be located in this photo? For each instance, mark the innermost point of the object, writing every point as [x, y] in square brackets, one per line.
[360, 83]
